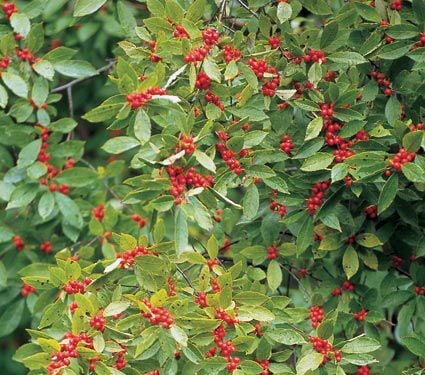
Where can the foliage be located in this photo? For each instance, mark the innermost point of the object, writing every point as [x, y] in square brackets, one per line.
[261, 211]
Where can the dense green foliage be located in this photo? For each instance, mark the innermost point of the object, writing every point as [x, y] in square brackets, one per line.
[257, 205]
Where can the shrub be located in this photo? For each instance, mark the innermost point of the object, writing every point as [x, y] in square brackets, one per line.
[262, 208]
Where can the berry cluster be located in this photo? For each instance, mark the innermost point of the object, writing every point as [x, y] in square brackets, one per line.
[128, 257]
[25, 55]
[197, 54]
[361, 315]
[402, 157]
[73, 306]
[9, 9]
[420, 291]
[217, 216]
[383, 82]
[98, 322]
[180, 181]
[277, 207]
[27, 290]
[157, 315]
[212, 262]
[231, 54]
[371, 211]
[314, 55]
[214, 99]
[265, 365]
[419, 126]
[269, 87]
[286, 144]
[18, 242]
[226, 348]
[324, 347]
[259, 67]
[274, 42]
[201, 299]
[396, 261]
[215, 285]
[363, 370]
[139, 99]
[211, 37]
[331, 138]
[75, 286]
[120, 363]
[316, 315]
[346, 285]
[316, 197]
[171, 287]
[141, 222]
[68, 350]
[203, 82]
[4, 62]
[272, 252]
[421, 42]
[229, 158]
[99, 212]
[92, 363]
[343, 152]
[257, 330]
[180, 32]
[154, 372]
[46, 247]
[153, 57]
[397, 5]
[330, 76]
[187, 144]
[302, 272]
[327, 110]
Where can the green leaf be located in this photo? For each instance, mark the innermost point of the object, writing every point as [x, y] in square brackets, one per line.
[35, 38]
[305, 235]
[15, 83]
[251, 202]
[142, 126]
[22, 196]
[20, 23]
[309, 362]
[204, 160]
[75, 68]
[402, 31]
[196, 10]
[388, 193]
[286, 336]
[250, 298]
[274, 275]
[277, 183]
[118, 145]
[116, 307]
[314, 128]
[394, 50]
[212, 247]
[127, 20]
[70, 210]
[349, 58]
[11, 317]
[46, 204]
[350, 262]
[284, 12]
[77, 177]
[415, 344]
[419, 9]
[29, 154]
[317, 162]
[85, 7]
[212, 70]
[367, 12]
[3, 275]
[413, 172]
[361, 345]
[368, 240]
[4, 97]
[45, 69]
[412, 141]
[330, 32]
[180, 231]
[179, 335]
[64, 125]
[392, 110]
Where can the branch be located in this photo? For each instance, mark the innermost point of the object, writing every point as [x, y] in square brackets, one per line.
[248, 8]
[79, 80]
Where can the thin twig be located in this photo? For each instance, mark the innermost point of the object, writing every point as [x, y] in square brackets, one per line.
[248, 8]
[186, 278]
[79, 80]
[296, 279]
[222, 10]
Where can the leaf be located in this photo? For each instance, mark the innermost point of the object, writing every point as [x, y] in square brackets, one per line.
[4, 97]
[77, 177]
[317, 162]
[46, 204]
[250, 298]
[308, 363]
[15, 83]
[350, 262]
[29, 154]
[3, 275]
[388, 193]
[368, 240]
[204, 160]
[402, 31]
[413, 172]
[274, 275]
[361, 345]
[142, 126]
[412, 141]
[20, 23]
[392, 110]
[212, 70]
[349, 58]
[419, 9]
[85, 7]
[180, 231]
[126, 18]
[75, 68]
[196, 10]
[22, 196]
[305, 235]
[251, 202]
[179, 335]
[314, 128]
[394, 50]
[286, 336]
[64, 125]
[330, 32]
[277, 183]
[212, 247]
[118, 145]
[116, 307]
[70, 210]
[367, 12]
[284, 12]
[11, 317]
[415, 344]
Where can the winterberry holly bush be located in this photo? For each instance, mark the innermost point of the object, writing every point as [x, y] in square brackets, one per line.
[261, 211]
